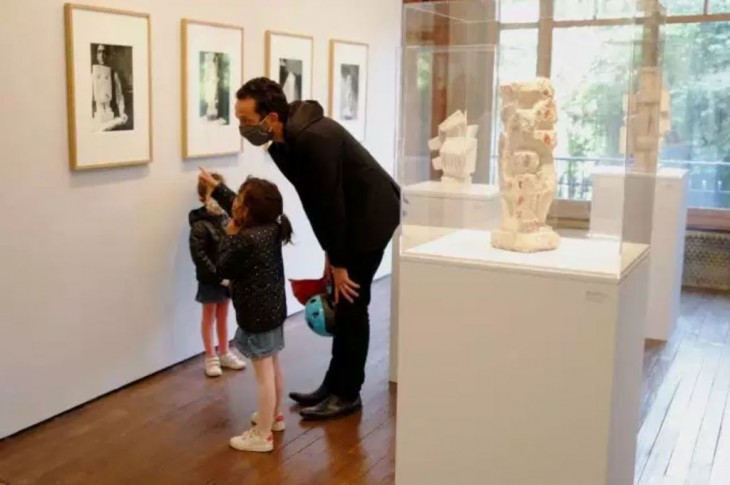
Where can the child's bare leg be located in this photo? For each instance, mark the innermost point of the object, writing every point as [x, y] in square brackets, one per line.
[279, 385]
[229, 360]
[221, 322]
[206, 328]
[266, 381]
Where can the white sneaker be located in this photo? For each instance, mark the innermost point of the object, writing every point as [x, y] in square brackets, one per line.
[213, 367]
[251, 440]
[231, 361]
[277, 425]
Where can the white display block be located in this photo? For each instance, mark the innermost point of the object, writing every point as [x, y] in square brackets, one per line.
[443, 204]
[669, 221]
[519, 369]
[408, 237]
[432, 210]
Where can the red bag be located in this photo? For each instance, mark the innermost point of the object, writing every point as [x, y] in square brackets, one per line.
[305, 289]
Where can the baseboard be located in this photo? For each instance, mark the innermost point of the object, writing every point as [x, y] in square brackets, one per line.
[101, 396]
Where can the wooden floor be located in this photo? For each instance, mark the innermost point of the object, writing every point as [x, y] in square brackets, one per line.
[173, 428]
[685, 430]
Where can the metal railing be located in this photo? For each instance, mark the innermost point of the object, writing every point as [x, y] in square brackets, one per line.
[709, 182]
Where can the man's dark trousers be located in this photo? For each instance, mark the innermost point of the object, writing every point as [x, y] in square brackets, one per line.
[346, 372]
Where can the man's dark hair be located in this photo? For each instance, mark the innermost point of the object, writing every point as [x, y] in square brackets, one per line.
[269, 97]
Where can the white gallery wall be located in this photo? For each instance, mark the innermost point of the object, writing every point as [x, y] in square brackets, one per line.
[96, 284]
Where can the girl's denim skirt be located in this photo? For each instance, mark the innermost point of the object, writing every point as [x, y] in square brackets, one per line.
[259, 345]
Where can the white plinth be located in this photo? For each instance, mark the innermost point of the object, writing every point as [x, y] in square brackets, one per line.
[519, 369]
[668, 227]
[433, 209]
[439, 204]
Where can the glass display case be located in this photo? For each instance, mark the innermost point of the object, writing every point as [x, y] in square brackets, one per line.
[447, 144]
[523, 274]
[446, 109]
[489, 133]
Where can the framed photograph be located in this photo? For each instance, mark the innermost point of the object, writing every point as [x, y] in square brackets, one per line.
[108, 82]
[349, 85]
[212, 65]
[289, 62]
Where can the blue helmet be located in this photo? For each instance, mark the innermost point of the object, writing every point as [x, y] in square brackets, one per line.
[320, 315]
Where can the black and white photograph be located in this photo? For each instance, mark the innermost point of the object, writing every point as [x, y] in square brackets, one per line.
[215, 87]
[289, 62]
[109, 101]
[348, 69]
[290, 78]
[350, 74]
[212, 61]
[112, 88]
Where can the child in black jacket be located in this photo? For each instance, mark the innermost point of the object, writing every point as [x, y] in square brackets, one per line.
[251, 258]
[207, 230]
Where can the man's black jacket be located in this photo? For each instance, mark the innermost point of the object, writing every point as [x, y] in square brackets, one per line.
[350, 200]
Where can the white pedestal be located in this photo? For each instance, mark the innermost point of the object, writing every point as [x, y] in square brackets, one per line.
[519, 369]
[439, 204]
[408, 237]
[434, 209]
[668, 227]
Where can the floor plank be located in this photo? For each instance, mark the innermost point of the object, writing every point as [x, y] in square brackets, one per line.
[174, 427]
[720, 474]
[689, 428]
[706, 445]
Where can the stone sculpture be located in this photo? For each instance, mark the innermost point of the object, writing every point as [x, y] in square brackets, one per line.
[647, 119]
[456, 145]
[526, 167]
[647, 110]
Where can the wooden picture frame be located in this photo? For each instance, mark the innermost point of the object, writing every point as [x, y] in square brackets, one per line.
[348, 85]
[115, 128]
[212, 133]
[296, 51]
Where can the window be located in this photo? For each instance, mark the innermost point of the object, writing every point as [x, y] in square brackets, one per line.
[519, 11]
[590, 73]
[719, 6]
[684, 7]
[614, 8]
[593, 9]
[697, 72]
[517, 54]
[417, 105]
[596, 9]
[575, 9]
[587, 53]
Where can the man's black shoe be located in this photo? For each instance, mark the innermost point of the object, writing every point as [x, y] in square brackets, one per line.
[310, 399]
[332, 407]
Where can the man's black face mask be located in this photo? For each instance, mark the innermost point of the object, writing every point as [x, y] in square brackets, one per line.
[256, 134]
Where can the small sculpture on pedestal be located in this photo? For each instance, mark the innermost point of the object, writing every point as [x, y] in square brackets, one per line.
[647, 119]
[647, 110]
[456, 145]
[526, 167]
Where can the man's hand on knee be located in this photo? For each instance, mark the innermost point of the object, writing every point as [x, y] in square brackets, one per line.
[344, 287]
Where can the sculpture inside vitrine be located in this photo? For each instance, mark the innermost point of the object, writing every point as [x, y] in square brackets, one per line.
[648, 120]
[647, 109]
[456, 145]
[526, 167]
